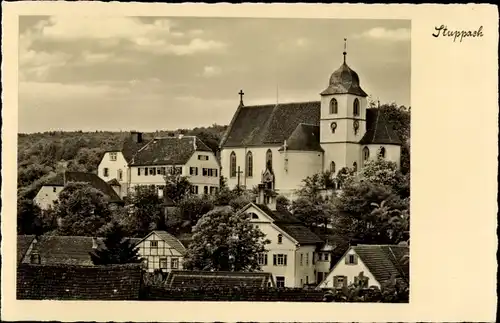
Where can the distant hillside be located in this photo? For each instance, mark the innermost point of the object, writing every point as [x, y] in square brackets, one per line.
[42, 155]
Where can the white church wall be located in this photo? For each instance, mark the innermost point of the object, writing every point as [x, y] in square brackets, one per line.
[301, 164]
[259, 164]
[47, 195]
[336, 152]
[392, 152]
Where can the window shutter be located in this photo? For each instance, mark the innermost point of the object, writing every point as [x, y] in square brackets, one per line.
[265, 259]
[274, 260]
[345, 281]
[347, 259]
[284, 260]
[335, 281]
[355, 260]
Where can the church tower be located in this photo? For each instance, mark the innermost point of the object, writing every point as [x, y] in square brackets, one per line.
[343, 118]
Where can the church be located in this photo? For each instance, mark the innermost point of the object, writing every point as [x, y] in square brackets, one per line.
[282, 144]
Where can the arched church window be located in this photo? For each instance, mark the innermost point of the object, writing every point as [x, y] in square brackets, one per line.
[355, 166]
[249, 164]
[232, 165]
[382, 152]
[366, 153]
[355, 108]
[332, 167]
[269, 159]
[333, 126]
[333, 106]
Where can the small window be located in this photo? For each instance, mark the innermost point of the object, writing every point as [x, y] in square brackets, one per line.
[145, 263]
[382, 152]
[163, 263]
[120, 175]
[280, 239]
[138, 171]
[333, 106]
[145, 171]
[366, 153]
[152, 171]
[106, 172]
[205, 171]
[193, 171]
[307, 259]
[175, 263]
[112, 156]
[333, 126]
[254, 216]
[212, 190]
[269, 159]
[153, 244]
[355, 166]
[332, 167]
[262, 259]
[301, 259]
[194, 189]
[355, 107]
[54, 189]
[202, 157]
[351, 260]
[325, 257]
[280, 281]
[279, 260]
[35, 259]
[205, 190]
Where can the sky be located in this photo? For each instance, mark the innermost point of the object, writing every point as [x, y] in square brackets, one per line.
[164, 73]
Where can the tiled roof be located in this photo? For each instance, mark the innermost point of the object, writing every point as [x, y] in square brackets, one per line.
[379, 130]
[63, 282]
[168, 151]
[130, 146]
[384, 261]
[113, 182]
[23, 244]
[89, 178]
[269, 124]
[189, 279]
[69, 250]
[305, 138]
[171, 241]
[291, 225]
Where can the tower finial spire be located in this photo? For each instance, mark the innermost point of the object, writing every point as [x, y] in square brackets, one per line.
[345, 49]
[241, 93]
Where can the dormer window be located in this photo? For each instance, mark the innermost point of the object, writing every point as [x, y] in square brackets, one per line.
[333, 126]
[333, 106]
[355, 107]
[280, 239]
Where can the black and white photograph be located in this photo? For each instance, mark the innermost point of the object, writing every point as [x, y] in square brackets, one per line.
[246, 163]
[164, 158]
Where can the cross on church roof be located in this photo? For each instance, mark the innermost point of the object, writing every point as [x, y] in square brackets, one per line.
[241, 93]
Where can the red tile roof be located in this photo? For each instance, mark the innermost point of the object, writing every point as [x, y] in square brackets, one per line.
[384, 261]
[379, 130]
[201, 279]
[23, 244]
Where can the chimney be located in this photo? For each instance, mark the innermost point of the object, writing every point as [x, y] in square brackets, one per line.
[94, 243]
[136, 136]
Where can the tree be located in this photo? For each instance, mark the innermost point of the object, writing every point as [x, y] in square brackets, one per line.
[313, 212]
[225, 241]
[28, 217]
[193, 207]
[117, 249]
[82, 210]
[147, 209]
[176, 186]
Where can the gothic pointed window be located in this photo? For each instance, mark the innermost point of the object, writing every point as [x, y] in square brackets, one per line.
[249, 164]
[333, 106]
[232, 165]
[382, 152]
[366, 153]
[269, 159]
[332, 167]
[355, 166]
[355, 107]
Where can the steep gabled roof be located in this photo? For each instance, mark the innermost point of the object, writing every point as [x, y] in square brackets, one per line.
[169, 239]
[168, 151]
[384, 261]
[379, 129]
[190, 279]
[65, 282]
[291, 225]
[93, 180]
[113, 182]
[23, 244]
[304, 138]
[130, 146]
[269, 124]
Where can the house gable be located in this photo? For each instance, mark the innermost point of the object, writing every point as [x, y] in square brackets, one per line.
[165, 246]
[350, 271]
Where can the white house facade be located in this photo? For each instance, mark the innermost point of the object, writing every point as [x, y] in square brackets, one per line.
[296, 140]
[146, 161]
[161, 251]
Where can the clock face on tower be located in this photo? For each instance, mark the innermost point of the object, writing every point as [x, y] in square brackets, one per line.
[356, 126]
